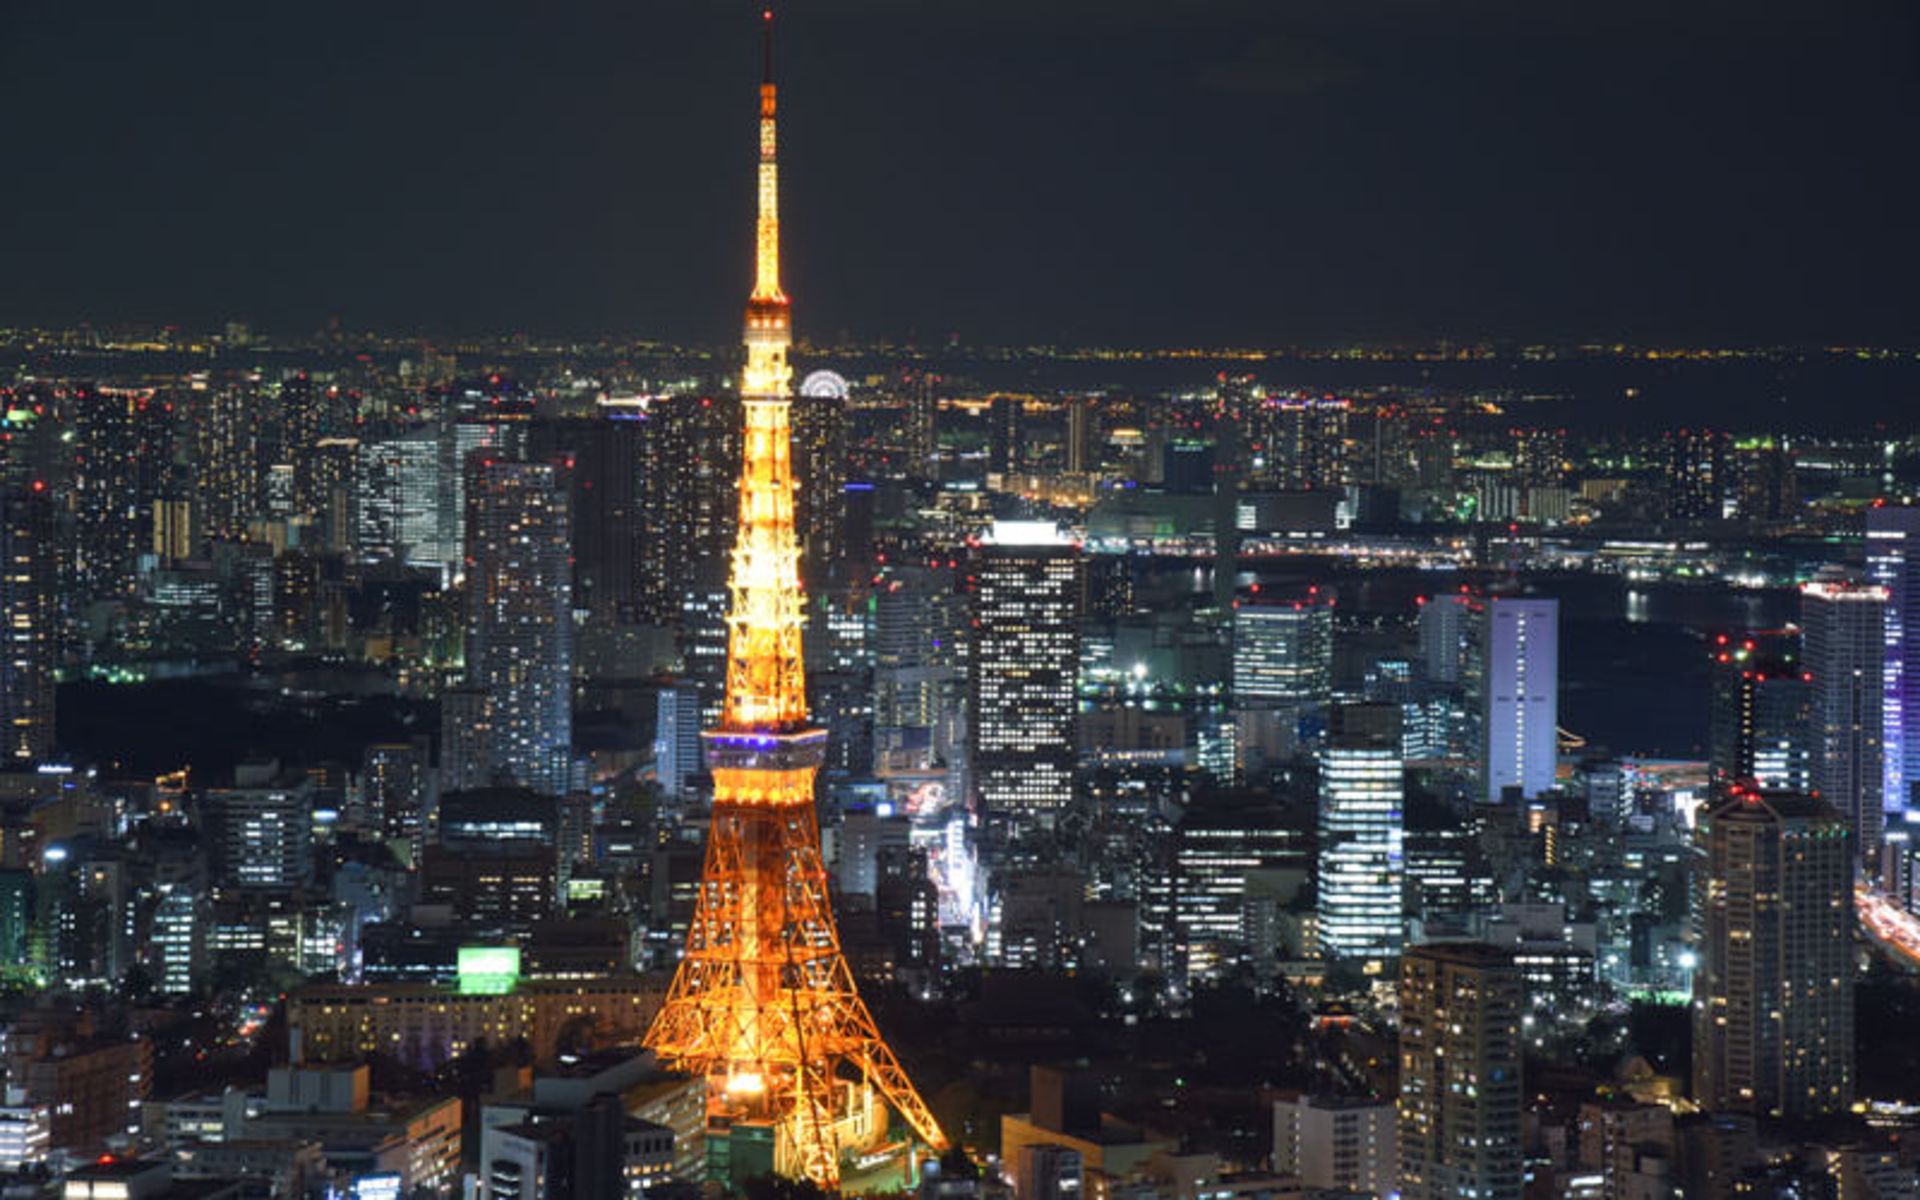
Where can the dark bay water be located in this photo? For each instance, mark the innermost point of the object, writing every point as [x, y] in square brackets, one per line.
[1635, 668]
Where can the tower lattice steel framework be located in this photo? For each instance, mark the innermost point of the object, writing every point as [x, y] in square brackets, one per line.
[764, 1004]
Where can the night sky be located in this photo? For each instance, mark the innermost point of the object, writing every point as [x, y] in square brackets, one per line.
[1270, 172]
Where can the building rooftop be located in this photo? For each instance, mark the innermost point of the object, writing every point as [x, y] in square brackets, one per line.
[1471, 954]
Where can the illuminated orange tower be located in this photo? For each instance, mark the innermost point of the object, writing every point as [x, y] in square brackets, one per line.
[764, 1004]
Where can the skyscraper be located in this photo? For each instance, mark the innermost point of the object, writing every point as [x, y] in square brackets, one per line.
[1006, 433]
[922, 432]
[1764, 488]
[1695, 470]
[1362, 795]
[1302, 444]
[122, 459]
[1445, 627]
[820, 475]
[1460, 1057]
[227, 417]
[676, 738]
[1773, 996]
[1761, 731]
[1226, 851]
[1843, 625]
[1077, 453]
[397, 502]
[1024, 672]
[609, 456]
[1283, 648]
[27, 606]
[520, 618]
[689, 447]
[1520, 712]
[308, 413]
[1893, 562]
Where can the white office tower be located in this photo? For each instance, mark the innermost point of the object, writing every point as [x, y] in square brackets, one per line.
[1843, 631]
[1522, 695]
[1362, 793]
[397, 512]
[1339, 1143]
[1283, 649]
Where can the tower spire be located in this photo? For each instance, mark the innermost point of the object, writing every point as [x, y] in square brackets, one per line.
[765, 684]
[766, 278]
[764, 1004]
[766, 47]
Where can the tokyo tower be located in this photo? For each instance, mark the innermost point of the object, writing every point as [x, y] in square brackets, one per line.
[764, 1004]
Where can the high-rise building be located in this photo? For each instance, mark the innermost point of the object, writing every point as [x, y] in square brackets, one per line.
[1187, 466]
[1694, 473]
[1540, 455]
[676, 740]
[122, 462]
[1764, 487]
[466, 739]
[606, 487]
[1230, 862]
[692, 448]
[1283, 648]
[1761, 732]
[496, 860]
[397, 513]
[1301, 444]
[922, 432]
[309, 411]
[396, 790]
[1460, 1058]
[1773, 995]
[520, 618]
[1520, 709]
[176, 942]
[227, 460]
[264, 826]
[1343, 1143]
[471, 422]
[1893, 562]
[918, 648]
[330, 473]
[28, 605]
[820, 474]
[1362, 795]
[1446, 636]
[1448, 881]
[702, 638]
[1843, 628]
[1023, 674]
[1006, 433]
[1077, 453]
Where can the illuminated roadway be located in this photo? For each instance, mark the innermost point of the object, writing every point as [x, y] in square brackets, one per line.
[1895, 929]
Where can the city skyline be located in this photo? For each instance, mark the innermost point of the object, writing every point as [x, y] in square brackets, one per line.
[534, 769]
